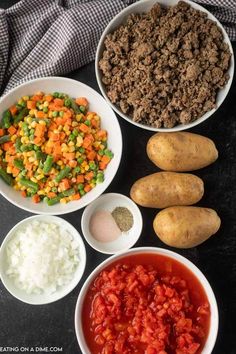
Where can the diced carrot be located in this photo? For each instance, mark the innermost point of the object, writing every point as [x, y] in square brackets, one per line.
[37, 140]
[80, 179]
[57, 148]
[87, 188]
[31, 104]
[48, 149]
[89, 176]
[54, 136]
[6, 146]
[69, 155]
[76, 196]
[72, 163]
[11, 130]
[36, 98]
[82, 101]
[13, 110]
[15, 171]
[23, 194]
[36, 198]
[102, 165]
[65, 184]
[67, 114]
[62, 136]
[106, 159]
[84, 128]
[91, 155]
[87, 141]
[39, 130]
[48, 98]
[40, 114]
[1, 132]
[102, 134]
[94, 123]
[52, 126]
[58, 102]
[51, 195]
[99, 157]
[60, 121]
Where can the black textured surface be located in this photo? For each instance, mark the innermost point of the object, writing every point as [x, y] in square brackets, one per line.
[24, 325]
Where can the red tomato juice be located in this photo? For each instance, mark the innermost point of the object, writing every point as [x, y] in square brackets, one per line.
[146, 304]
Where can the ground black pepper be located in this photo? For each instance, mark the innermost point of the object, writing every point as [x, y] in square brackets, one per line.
[123, 218]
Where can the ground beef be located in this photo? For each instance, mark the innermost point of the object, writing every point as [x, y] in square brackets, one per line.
[165, 67]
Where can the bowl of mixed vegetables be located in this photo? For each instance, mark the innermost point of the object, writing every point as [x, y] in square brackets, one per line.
[60, 145]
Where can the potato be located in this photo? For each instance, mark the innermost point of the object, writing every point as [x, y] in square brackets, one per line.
[163, 189]
[181, 151]
[186, 227]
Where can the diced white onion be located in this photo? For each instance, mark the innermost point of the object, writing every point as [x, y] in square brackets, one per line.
[42, 257]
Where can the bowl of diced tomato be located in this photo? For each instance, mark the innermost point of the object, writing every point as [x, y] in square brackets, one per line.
[146, 300]
[60, 145]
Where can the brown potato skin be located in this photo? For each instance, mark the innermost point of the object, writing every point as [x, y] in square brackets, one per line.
[186, 227]
[164, 189]
[181, 151]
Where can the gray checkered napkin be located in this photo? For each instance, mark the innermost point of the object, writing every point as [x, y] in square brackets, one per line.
[53, 37]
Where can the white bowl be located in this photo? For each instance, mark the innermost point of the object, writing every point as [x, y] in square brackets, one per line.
[109, 122]
[143, 6]
[109, 202]
[62, 291]
[214, 319]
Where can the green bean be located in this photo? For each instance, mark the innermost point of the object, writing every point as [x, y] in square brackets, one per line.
[67, 193]
[40, 155]
[62, 174]
[57, 199]
[6, 177]
[21, 115]
[53, 201]
[48, 164]
[18, 144]
[5, 138]
[6, 119]
[75, 107]
[18, 163]
[29, 184]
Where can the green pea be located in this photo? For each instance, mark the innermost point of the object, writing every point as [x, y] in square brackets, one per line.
[54, 189]
[82, 192]
[77, 169]
[71, 137]
[81, 150]
[101, 152]
[55, 114]
[56, 94]
[45, 109]
[82, 109]
[80, 186]
[80, 160]
[61, 113]
[67, 102]
[75, 132]
[87, 122]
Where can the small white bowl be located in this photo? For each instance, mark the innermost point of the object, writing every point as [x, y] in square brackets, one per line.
[109, 202]
[214, 319]
[109, 122]
[143, 6]
[41, 299]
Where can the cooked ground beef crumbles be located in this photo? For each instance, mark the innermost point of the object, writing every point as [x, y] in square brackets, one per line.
[165, 67]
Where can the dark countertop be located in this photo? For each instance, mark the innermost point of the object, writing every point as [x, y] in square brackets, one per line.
[52, 325]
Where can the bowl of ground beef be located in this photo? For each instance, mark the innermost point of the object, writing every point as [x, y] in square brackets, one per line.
[164, 65]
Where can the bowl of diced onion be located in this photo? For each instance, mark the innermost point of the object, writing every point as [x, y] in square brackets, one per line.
[42, 259]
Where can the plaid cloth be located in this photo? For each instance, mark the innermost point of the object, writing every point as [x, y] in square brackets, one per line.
[53, 37]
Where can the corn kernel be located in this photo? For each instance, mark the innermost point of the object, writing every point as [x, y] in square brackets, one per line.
[79, 141]
[1, 152]
[74, 124]
[56, 131]
[42, 122]
[9, 169]
[77, 154]
[59, 189]
[29, 120]
[41, 192]
[63, 201]
[71, 149]
[71, 143]
[60, 128]
[33, 124]
[47, 189]
[50, 114]
[59, 163]
[39, 177]
[86, 168]
[13, 137]
[31, 159]
[51, 184]
[46, 104]
[78, 117]
[33, 179]
[67, 132]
